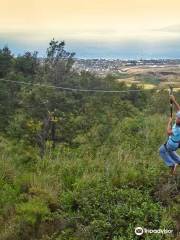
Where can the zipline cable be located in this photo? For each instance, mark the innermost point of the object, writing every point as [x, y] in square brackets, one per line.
[82, 90]
[72, 89]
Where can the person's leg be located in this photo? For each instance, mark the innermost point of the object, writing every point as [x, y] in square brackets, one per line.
[173, 172]
[175, 157]
[165, 155]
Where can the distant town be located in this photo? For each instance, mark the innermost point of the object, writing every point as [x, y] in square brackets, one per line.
[103, 66]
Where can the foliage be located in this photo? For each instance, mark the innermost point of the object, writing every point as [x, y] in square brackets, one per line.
[79, 165]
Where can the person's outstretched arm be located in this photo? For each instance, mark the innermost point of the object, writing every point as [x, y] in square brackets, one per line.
[172, 98]
[169, 128]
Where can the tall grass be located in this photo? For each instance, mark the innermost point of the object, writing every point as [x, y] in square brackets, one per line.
[80, 193]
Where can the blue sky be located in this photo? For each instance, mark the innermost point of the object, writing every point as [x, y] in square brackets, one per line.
[126, 49]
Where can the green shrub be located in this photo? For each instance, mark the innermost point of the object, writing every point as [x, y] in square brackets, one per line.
[32, 211]
[107, 212]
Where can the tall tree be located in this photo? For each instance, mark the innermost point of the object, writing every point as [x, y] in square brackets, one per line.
[27, 64]
[58, 62]
[5, 61]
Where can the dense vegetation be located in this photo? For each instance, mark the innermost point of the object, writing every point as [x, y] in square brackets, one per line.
[80, 165]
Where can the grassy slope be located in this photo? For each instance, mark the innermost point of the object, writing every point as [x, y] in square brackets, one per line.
[91, 192]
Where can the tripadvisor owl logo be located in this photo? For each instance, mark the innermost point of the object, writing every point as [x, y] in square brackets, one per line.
[139, 231]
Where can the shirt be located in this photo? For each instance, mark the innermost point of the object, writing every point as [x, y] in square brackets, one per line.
[174, 138]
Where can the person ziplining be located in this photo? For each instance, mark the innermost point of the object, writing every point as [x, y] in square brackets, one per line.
[167, 151]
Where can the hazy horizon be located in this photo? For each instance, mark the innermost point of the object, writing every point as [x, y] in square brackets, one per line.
[113, 29]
